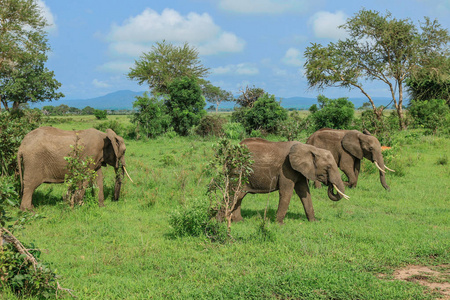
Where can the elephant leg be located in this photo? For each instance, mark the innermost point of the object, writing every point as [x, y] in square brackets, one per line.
[236, 212]
[302, 190]
[286, 190]
[101, 196]
[30, 184]
[357, 168]
[347, 165]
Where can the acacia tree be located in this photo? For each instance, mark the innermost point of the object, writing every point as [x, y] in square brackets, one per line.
[166, 62]
[23, 46]
[215, 94]
[378, 48]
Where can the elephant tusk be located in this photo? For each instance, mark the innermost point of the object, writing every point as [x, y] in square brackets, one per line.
[340, 193]
[376, 164]
[389, 169]
[125, 169]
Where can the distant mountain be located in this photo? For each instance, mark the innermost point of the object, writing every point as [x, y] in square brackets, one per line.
[124, 100]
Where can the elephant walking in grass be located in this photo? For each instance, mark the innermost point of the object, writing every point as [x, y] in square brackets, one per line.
[348, 147]
[42, 151]
[285, 167]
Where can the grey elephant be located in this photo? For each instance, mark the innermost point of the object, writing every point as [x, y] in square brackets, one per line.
[287, 166]
[348, 148]
[42, 151]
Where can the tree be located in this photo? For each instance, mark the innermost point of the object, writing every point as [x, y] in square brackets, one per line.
[249, 96]
[151, 117]
[165, 63]
[333, 113]
[215, 94]
[185, 104]
[23, 46]
[378, 48]
[265, 114]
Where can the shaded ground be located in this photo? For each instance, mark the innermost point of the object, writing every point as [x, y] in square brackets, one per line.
[437, 278]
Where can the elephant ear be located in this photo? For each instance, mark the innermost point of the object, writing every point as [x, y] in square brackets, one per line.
[302, 160]
[113, 138]
[352, 144]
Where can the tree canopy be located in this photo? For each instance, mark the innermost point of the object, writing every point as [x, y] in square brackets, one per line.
[165, 63]
[215, 94]
[379, 48]
[23, 46]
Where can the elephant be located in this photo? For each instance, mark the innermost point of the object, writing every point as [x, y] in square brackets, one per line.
[285, 166]
[348, 147]
[41, 158]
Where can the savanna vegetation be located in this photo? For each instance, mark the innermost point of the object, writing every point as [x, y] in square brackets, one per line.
[164, 238]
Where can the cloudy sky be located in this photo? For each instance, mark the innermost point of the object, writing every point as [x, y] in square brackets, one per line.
[243, 42]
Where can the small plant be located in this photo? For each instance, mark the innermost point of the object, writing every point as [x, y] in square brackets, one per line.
[442, 160]
[100, 114]
[80, 177]
[192, 219]
[234, 130]
[210, 126]
[232, 170]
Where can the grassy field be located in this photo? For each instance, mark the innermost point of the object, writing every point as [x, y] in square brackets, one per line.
[127, 249]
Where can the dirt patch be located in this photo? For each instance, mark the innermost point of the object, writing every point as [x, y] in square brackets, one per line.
[437, 278]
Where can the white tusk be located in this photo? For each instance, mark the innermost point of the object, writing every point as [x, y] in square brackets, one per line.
[388, 168]
[125, 169]
[341, 193]
[376, 164]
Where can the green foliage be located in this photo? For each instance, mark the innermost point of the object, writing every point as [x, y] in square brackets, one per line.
[334, 113]
[291, 128]
[80, 175]
[166, 63]
[234, 130]
[186, 104]
[100, 114]
[8, 197]
[231, 166]
[430, 114]
[249, 97]
[151, 117]
[115, 125]
[13, 127]
[215, 94]
[21, 276]
[266, 114]
[192, 219]
[210, 126]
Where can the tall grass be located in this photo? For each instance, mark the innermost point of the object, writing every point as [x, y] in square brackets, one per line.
[126, 250]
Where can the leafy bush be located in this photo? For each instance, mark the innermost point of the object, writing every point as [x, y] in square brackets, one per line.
[151, 118]
[234, 131]
[100, 114]
[430, 114]
[210, 125]
[334, 113]
[291, 128]
[192, 219]
[266, 115]
[186, 104]
[13, 128]
[115, 125]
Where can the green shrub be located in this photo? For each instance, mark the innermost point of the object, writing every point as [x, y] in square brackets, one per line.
[334, 113]
[430, 114]
[265, 115]
[210, 126]
[192, 219]
[292, 126]
[234, 131]
[100, 114]
[115, 125]
[151, 118]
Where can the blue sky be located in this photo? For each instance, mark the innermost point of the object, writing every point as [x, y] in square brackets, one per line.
[243, 42]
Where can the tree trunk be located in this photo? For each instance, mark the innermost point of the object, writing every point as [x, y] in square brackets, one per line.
[401, 119]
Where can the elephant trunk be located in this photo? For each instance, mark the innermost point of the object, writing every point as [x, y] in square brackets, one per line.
[119, 177]
[340, 189]
[379, 163]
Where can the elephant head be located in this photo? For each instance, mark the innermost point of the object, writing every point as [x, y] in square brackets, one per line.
[114, 155]
[366, 145]
[318, 164]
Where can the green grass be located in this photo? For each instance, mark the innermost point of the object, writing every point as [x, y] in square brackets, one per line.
[126, 250]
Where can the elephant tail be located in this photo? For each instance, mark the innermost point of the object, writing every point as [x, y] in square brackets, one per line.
[19, 164]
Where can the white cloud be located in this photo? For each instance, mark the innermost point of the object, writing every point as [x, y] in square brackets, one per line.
[239, 69]
[293, 57]
[47, 14]
[138, 33]
[325, 24]
[100, 84]
[265, 6]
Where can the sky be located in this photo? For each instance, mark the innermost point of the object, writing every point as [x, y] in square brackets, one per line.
[243, 42]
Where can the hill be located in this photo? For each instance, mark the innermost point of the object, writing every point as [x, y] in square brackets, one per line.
[124, 100]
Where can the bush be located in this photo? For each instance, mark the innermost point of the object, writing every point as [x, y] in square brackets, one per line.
[13, 128]
[100, 114]
[265, 115]
[186, 104]
[210, 126]
[115, 125]
[192, 219]
[234, 131]
[430, 114]
[291, 128]
[151, 118]
[334, 113]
